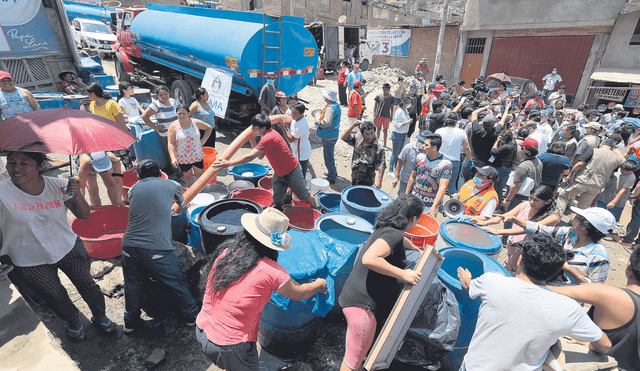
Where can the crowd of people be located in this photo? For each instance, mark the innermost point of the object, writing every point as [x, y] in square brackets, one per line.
[506, 156]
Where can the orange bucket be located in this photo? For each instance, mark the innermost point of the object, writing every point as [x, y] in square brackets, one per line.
[425, 232]
[209, 158]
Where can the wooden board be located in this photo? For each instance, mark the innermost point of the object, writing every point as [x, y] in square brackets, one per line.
[406, 307]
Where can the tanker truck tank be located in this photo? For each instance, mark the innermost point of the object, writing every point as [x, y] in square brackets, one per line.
[91, 11]
[190, 40]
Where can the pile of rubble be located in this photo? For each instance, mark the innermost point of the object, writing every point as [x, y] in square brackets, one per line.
[385, 70]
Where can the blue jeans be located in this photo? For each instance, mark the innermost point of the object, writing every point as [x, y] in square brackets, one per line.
[402, 186]
[452, 188]
[165, 267]
[236, 357]
[328, 150]
[545, 96]
[397, 140]
[634, 225]
[503, 176]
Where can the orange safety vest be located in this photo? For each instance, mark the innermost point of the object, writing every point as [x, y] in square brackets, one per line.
[351, 112]
[473, 205]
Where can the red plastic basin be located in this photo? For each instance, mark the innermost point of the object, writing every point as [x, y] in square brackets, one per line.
[425, 232]
[102, 232]
[260, 196]
[302, 218]
[298, 202]
[129, 178]
[266, 182]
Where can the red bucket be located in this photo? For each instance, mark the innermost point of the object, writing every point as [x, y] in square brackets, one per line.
[302, 218]
[266, 182]
[102, 232]
[260, 196]
[299, 202]
[425, 232]
[129, 178]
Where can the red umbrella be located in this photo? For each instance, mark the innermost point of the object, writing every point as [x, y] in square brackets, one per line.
[499, 77]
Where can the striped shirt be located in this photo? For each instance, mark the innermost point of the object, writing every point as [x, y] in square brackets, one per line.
[164, 115]
[592, 261]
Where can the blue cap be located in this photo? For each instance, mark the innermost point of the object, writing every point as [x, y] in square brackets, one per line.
[538, 92]
[100, 162]
[423, 135]
[547, 111]
[420, 73]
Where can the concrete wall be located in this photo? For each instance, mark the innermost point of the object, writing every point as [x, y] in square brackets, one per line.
[525, 14]
[424, 43]
[619, 54]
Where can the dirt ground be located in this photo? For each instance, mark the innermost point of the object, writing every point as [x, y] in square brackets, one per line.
[121, 352]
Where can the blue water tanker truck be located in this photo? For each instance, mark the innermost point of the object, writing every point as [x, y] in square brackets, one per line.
[104, 12]
[175, 45]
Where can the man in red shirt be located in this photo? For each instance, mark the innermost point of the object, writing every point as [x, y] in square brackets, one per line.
[422, 66]
[537, 98]
[286, 168]
[356, 105]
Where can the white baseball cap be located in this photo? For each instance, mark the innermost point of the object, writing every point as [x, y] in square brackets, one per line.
[600, 218]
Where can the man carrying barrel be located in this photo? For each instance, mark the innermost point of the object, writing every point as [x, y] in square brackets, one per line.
[286, 168]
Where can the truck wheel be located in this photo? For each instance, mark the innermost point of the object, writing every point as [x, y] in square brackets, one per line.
[364, 65]
[181, 91]
[121, 72]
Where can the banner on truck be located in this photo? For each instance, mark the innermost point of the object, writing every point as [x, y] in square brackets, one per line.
[218, 85]
[391, 42]
[25, 29]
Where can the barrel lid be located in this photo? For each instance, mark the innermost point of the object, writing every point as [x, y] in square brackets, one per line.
[470, 236]
[304, 260]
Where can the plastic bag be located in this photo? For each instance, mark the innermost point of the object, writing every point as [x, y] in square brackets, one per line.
[434, 329]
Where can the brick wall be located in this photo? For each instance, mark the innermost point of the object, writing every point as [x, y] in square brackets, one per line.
[424, 43]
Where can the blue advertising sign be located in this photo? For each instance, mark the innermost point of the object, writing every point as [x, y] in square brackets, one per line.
[25, 29]
[391, 42]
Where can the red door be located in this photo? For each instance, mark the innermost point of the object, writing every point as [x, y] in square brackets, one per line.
[534, 57]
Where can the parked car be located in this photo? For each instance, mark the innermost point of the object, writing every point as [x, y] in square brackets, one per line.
[93, 35]
[526, 85]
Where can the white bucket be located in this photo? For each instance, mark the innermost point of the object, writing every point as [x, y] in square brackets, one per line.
[319, 185]
[202, 199]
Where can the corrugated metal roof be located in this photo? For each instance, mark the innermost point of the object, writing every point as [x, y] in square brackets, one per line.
[617, 75]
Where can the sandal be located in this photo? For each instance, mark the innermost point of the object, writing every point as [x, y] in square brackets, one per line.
[75, 335]
[109, 327]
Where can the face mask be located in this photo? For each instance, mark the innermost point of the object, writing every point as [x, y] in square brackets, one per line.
[560, 134]
[554, 72]
[271, 82]
[477, 181]
[408, 105]
[418, 145]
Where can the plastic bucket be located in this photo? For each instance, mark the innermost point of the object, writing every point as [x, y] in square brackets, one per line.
[209, 158]
[318, 185]
[179, 225]
[218, 190]
[240, 184]
[250, 172]
[298, 202]
[425, 232]
[102, 232]
[302, 218]
[202, 199]
[266, 182]
[364, 201]
[470, 236]
[478, 264]
[195, 239]
[329, 202]
[257, 195]
[129, 178]
[221, 221]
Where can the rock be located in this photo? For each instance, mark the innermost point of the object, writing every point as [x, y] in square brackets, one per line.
[100, 267]
[187, 255]
[112, 284]
[155, 358]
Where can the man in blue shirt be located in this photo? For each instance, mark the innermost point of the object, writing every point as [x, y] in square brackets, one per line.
[353, 76]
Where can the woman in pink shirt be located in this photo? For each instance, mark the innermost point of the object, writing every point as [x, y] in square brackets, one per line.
[243, 275]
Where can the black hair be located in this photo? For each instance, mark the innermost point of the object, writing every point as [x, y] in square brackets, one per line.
[507, 136]
[121, 88]
[545, 193]
[437, 104]
[503, 84]
[592, 231]
[400, 78]
[535, 106]
[198, 94]
[261, 120]
[241, 254]
[581, 107]
[183, 106]
[562, 87]
[299, 107]
[161, 88]
[400, 212]
[531, 125]
[527, 111]
[435, 140]
[629, 165]
[634, 260]
[367, 125]
[466, 112]
[293, 96]
[571, 128]
[439, 77]
[523, 133]
[402, 103]
[542, 257]
[386, 85]
[530, 152]
[96, 89]
[556, 148]
[38, 157]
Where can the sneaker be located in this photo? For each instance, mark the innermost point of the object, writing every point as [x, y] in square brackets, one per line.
[625, 244]
[130, 326]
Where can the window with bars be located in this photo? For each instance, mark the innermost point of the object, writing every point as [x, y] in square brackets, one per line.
[346, 8]
[635, 38]
[476, 45]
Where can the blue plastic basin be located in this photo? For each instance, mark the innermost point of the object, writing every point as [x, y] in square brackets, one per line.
[258, 171]
[364, 201]
[329, 202]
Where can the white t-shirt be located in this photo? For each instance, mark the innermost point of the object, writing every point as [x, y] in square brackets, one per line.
[35, 228]
[452, 139]
[547, 130]
[542, 140]
[300, 130]
[164, 115]
[555, 94]
[129, 106]
[398, 118]
[550, 81]
[518, 322]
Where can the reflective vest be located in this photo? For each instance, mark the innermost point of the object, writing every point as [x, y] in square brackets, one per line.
[332, 131]
[473, 205]
[351, 112]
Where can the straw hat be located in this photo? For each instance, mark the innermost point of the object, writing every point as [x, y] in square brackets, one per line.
[269, 228]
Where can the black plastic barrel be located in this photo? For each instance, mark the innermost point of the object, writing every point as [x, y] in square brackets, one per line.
[220, 221]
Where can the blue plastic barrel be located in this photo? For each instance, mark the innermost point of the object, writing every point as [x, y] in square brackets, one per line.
[478, 264]
[149, 146]
[103, 79]
[364, 201]
[195, 239]
[470, 236]
[179, 223]
[282, 333]
[329, 202]
[351, 231]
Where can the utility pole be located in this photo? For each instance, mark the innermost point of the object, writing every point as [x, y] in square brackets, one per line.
[443, 23]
